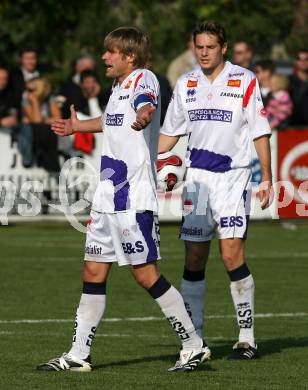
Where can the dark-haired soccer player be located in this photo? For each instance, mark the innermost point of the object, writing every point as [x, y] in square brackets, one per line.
[220, 107]
[123, 226]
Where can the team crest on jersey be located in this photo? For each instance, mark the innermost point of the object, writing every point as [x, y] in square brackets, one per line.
[192, 83]
[234, 83]
[129, 83]
[126, 232]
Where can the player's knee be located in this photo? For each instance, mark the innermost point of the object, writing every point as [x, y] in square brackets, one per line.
[145, 277]
[144, 280]
[94, 272]
[194, 260]
[194, 263]
[196, 256]
[231, 261]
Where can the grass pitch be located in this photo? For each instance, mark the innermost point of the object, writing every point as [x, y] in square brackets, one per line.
[40, 289]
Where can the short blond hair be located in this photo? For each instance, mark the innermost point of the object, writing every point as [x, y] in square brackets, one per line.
[281, 82]
[40, 87]
[130, 41]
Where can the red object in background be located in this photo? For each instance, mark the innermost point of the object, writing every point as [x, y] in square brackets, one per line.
[293, 168]
[84, 142]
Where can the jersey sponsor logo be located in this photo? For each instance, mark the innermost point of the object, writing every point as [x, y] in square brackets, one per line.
[91, 336]
[129, 83]
[123, 97]
[233, 95]
[236, 74]
[244, 313]
[93, 250]
[192, 83]
[147, 87]
[234, 83]
[192, 231]
[210, 114]
[130, 248]
[114, 119]
[178, 327]
[231, 221]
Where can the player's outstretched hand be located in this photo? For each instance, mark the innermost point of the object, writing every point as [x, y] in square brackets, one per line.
[144, 117]
[65, 127]
[265, 194]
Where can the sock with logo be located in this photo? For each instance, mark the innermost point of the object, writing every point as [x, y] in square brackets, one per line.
[89, 313]
[242, 291]
[172, 305]
[193, 293]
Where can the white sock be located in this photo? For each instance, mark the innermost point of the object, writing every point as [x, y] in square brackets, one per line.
[242, 292]
[172, 305]
[89, 313]
[193, 293]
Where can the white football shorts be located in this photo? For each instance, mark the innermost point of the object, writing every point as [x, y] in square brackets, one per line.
[129, 237]
[215, 201]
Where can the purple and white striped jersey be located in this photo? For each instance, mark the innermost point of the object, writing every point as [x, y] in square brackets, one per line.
[128, 162]
[221, 118]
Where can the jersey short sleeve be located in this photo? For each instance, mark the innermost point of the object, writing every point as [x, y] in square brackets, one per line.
[175, 123]
[146, 90]
[254, 109]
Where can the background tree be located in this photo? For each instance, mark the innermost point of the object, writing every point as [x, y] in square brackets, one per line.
[62, 30]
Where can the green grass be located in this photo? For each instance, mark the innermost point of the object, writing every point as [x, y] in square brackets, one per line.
[40, 279]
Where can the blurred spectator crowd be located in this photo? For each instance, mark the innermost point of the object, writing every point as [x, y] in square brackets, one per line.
[29, 103]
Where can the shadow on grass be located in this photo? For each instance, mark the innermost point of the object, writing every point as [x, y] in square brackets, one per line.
[265, 347]
[149, 359]
[219, 351]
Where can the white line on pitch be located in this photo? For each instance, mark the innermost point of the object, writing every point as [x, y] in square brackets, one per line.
[145, 319]
[123, 335]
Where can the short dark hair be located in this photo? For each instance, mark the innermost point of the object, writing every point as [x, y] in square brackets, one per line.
[87, 73]
[302, 50]
[26, 49]
[248, 45]
[266, 65]
[211, 27]
[129, 40]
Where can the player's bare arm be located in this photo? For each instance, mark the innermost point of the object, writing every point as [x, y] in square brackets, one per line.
[64, 127]
[263, 150]
[166, 143]
[143, 117]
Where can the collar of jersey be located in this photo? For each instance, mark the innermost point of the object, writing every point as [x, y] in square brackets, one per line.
[221, 77]
[125, 81]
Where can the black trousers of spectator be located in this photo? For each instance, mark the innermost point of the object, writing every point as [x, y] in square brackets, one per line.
[45, 144]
